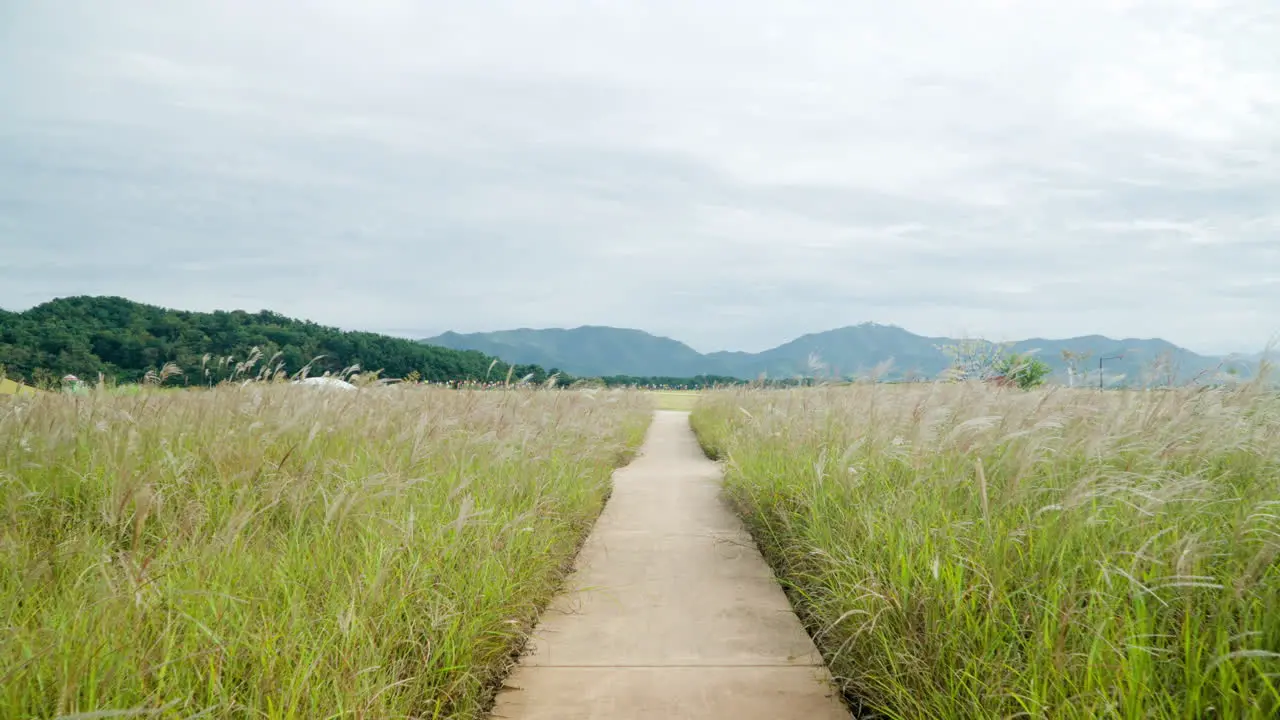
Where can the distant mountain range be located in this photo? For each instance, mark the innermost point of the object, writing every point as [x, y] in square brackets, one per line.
[857, 350]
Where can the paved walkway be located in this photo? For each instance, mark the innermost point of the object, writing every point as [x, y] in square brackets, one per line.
[671, 613]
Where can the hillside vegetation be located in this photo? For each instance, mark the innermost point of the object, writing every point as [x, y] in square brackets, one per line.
[963, 552]
[278, 552]
[122, 339]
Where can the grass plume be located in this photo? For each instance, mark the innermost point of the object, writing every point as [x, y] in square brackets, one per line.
[266, 551]
[965, 552]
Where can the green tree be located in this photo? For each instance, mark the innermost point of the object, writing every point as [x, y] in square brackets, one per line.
[128, 342]
[1025, 371]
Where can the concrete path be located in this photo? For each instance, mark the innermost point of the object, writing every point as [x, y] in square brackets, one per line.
[671, 612]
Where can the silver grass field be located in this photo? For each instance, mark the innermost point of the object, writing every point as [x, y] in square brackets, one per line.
[268, 551]
[964, 552]
[957, 551]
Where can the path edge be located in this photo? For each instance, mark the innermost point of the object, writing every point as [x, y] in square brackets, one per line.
[497, 681]
[840, 685]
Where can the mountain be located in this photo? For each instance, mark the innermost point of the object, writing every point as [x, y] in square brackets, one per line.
[852, 351]
[122, 339]
[848, 351]
[1141, 361]
[588, 351]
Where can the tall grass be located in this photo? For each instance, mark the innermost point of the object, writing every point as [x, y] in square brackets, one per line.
[286, 552]
[963, 552]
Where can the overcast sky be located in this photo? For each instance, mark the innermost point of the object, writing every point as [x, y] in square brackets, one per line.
[731, 174]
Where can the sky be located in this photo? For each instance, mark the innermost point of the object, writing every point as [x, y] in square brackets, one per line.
[730, 174]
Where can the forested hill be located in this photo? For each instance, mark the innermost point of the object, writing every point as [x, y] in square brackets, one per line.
[124, 339]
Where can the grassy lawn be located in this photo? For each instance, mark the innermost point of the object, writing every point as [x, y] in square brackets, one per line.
[9, 387]
[675, 399]
[281, 552]
[960, 552]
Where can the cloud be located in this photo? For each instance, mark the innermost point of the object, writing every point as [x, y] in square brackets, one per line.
[732, 175]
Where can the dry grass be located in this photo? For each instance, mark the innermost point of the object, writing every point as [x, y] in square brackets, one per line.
[962, 552]
[282, 552]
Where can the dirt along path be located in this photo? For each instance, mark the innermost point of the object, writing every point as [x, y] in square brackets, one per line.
[671, 613]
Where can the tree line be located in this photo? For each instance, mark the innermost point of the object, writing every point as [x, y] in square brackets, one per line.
[125, 340]
[662, 382]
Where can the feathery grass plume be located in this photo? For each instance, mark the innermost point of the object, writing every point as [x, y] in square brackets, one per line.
[963, 552]
[255, 551]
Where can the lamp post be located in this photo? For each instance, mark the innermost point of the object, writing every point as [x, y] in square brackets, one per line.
[1117, 356]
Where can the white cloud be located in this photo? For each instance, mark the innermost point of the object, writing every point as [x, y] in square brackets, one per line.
[731, 174]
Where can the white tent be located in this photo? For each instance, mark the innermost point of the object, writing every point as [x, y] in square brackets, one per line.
[327, 382]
